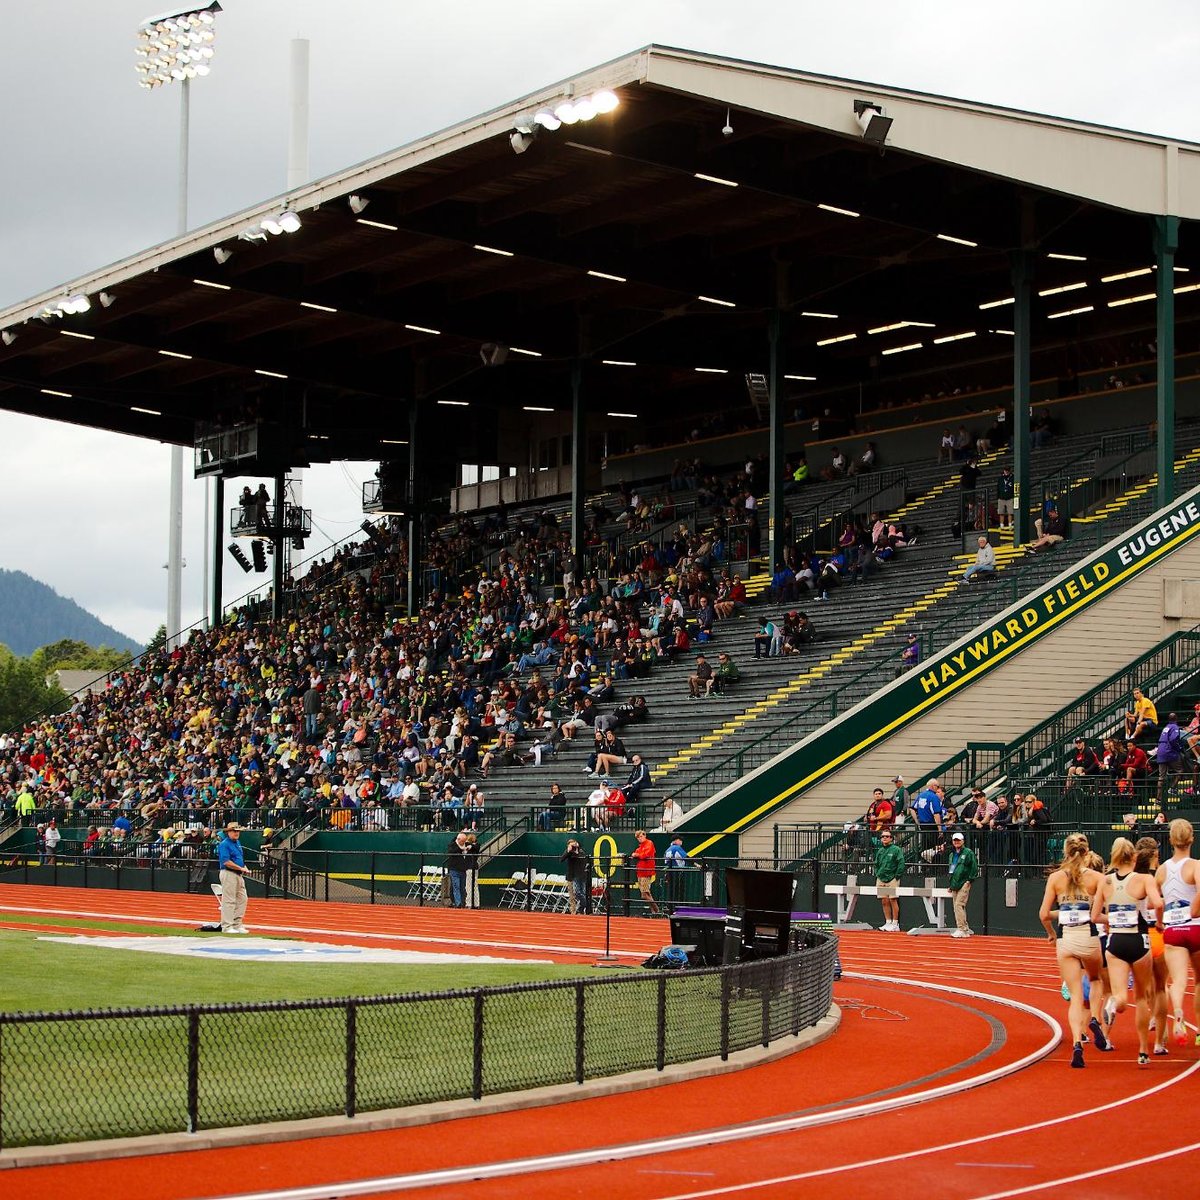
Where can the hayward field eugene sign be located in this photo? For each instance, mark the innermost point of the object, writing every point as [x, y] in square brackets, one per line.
[754, 797]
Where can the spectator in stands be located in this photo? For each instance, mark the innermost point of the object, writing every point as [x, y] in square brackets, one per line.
[985, 561]
[962, 445]
[1040, 429]
[700, 681]
[783, 584]
[672, 814]
[946, 447]
[1005, 493]
[910, 656]
[555, 812]
[726, 674]
[880, 813]
[979, 810]
[929, 810]
[866, 461]
[638, 781]
[768, 640]
[91, 843]
[969, 480]
[1141, 720]
[1054, 529]
[1168, 758]
[1084, 762]
[731, 596]
[51, 836]
[838, 465]
[610, 751]
[899, 798]
[999, 828]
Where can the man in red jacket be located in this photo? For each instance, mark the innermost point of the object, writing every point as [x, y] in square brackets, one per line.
[644, 857]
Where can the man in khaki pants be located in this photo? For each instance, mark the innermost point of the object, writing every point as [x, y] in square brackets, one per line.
[964, 867]
[233, 880]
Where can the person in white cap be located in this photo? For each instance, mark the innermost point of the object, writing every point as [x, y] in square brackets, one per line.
[964, 867]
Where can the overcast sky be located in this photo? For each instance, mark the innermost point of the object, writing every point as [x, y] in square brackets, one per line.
[89, 167]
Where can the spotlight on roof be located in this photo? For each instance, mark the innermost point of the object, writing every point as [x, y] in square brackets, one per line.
[7, 336]
[357, 204]
[872, 122]
[107, 299]
[222, 255]
[520, 140]
[253, 234]
[289, 222]
[546, 119]
[493, 354]
[76, 303]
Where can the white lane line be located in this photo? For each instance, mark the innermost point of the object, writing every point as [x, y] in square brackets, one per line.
[321, 930]
[692, 1141]
[1121, 1166]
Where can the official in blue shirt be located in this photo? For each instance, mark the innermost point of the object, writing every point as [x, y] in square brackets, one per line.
[928, 809]
[233, 880]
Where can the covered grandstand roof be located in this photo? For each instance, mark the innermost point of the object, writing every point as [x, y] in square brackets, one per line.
[649, 241]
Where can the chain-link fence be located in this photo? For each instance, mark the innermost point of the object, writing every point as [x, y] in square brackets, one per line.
[78, 1076]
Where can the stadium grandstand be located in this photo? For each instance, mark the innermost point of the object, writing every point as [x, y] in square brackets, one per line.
[682, 357]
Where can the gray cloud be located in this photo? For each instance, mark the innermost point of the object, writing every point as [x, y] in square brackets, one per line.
[89, 169]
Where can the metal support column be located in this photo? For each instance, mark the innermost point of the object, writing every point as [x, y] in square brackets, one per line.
[414, 511]
[1022, 277]
[1166, 242]
[277, 542]
[775, 454]
[578, 464]
[218, 552]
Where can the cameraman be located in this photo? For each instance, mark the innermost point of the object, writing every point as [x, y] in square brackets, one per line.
[578, 876]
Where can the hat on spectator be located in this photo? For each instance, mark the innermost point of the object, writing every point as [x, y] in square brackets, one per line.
[897, 778]
[956, 837]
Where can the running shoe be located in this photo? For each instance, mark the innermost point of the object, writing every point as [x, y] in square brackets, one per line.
[1161, 1050]
[1077, 1056]
[1180, 1030]
[1102, 1042]
[1066, 992]
[1110, 1011]
[1143, 1060]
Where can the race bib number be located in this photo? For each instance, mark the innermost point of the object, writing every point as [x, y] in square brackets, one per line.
[1074, 912]
[1122, 917]
[1177, 913]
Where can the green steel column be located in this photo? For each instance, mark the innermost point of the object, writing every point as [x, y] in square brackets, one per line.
[578, 464]
[1022, 277]
[1166, 242]
[277, 572]
[216, 602]
[414, 510]
[775, 452]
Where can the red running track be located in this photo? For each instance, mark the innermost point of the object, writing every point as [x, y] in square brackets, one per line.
[783, 1129]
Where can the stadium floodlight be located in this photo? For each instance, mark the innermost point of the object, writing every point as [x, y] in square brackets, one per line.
[222, 255]
[357, 204]
[176, 46]
[872, 122]
[107, 299]
[546, 119]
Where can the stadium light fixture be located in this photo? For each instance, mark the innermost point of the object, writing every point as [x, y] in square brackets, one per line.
[872, 122]
[222, 255]
[357, 204]
[7, 336]
[520, 140]
[570, 110]
[176, 46]
[107, 299]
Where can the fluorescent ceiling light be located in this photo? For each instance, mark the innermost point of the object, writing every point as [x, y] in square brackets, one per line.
[1133, 299]
[823, 316]
[150, 412]
[1191, 287]
[713, 370]
[1006, 332]
[845, 337]
[534, 408]
[902, 349]
[423, 329]
[378, 224]
[714, 300]
[393, 442]
[317, 307]
[606, 275]
[528, 353]
[493, 250]
[1071, 312]
[1125, 275]
[1066, 287]
[997, 303]
[617, 362]
[590, 149]
[806, 378]
[269, 374]
[174, 354]
[221, 287]
[85, 337]
[52, 392]
[630, 416]
[902, 325]
[1068, 257]
[842, 212]
[953, 337]
[318, 437]
[946, 237]
[715, 179]
[455, 403]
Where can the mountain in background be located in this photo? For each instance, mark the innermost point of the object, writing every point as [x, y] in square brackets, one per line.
[33, 614]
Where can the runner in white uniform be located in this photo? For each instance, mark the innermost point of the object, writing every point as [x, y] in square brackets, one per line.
[1178, 878]
[1147, 864]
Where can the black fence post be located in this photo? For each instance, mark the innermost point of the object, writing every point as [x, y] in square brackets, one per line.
[528, 883]
[987, 879]
[725, 1015]
[193, 1072]
[477, 1049]
[421, 881]
[351, 1057]
[766, 971]
[326, 876]
[816, 884]
[373, 854]
[580, 1028]
[661, 1054]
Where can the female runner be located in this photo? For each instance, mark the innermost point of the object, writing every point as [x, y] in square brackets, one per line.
[1147, 864]
[1066, 915]
[1177, 878]
[1121, 894]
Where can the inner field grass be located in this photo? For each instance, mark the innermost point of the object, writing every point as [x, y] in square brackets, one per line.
[129, 1075]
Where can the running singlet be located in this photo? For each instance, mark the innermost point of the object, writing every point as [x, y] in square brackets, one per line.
[1177, 896]
[1124, 913]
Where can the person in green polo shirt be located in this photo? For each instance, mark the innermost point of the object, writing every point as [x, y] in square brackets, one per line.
[889, 867]
[964, 867]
